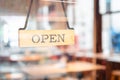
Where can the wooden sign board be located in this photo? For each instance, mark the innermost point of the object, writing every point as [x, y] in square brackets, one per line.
[36, 38]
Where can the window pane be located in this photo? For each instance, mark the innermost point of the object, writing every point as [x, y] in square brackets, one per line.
[106, 39]
[115, 33]
[102, 5]
[48, 15]
[115, 5]
[44, 15]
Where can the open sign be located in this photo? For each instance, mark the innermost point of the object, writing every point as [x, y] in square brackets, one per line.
[35, 38]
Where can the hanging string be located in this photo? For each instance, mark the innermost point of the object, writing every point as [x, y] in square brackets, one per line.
[28, 14]
[63, 6]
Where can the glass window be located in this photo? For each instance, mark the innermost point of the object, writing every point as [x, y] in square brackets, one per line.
[44, 15]
[102, 5]
[106, 39]
[110, 24]
[115, 32]
[115, 5]
[49, 15]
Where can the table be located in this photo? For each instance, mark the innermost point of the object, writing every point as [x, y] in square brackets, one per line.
[46, 70]
[83, 66]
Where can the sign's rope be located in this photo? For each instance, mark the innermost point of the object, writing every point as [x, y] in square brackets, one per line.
[63, 6]
[28, 14]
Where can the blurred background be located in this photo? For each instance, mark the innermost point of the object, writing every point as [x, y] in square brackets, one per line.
[97, 39]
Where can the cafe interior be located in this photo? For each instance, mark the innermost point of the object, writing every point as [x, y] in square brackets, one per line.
[93, 55]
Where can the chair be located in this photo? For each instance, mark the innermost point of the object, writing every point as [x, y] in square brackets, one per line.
[115, 73]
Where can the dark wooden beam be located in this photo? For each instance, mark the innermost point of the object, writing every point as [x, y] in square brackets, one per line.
[97, 28]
